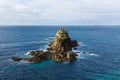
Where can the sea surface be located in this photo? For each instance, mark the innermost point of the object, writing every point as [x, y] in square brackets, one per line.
[101, 61]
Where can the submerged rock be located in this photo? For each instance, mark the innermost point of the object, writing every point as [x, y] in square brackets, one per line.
[16, 59]
[59, 50]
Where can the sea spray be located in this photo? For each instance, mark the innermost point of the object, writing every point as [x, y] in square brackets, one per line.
[82, 44]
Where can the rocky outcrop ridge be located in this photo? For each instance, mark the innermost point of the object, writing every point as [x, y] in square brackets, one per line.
[59, 50]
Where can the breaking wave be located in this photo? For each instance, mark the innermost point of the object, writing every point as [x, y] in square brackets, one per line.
[82, 44]
[84, 54]
[92, 54]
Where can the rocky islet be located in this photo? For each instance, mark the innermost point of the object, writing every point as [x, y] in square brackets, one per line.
[59, 49]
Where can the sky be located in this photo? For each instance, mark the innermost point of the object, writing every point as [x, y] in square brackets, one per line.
[59, 12]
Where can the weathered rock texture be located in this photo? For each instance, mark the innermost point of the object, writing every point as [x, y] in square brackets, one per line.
[62, 42]
[59, 50]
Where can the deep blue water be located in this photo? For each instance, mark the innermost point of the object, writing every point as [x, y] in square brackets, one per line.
[102, 61]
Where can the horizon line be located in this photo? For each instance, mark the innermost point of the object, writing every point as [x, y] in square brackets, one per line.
[61, 25]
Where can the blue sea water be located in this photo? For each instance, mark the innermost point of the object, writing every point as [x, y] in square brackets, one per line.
[101, 62]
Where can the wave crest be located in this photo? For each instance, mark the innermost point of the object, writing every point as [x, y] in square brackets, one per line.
[82, 44]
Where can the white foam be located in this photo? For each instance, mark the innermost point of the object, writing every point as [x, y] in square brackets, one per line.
[75, 50]
[28, 53]
[80, 56]
[42, 49]
[92, 54]
[82, 44]
[84, 54]
[49, 38]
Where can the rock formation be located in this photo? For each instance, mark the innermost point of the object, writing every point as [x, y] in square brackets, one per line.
[62, 42]
[59, 50]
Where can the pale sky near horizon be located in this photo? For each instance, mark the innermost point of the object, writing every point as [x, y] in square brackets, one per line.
[59, 12]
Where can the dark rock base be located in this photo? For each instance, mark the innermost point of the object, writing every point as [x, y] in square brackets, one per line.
[40, 55]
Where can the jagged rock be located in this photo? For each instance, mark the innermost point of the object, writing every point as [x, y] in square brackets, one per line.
[34, 59]
[75, 48]
[36, 53]
[59, 50]
[16, 59]
[62, 42]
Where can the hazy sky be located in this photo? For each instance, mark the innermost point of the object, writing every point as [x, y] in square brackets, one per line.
[59, 12]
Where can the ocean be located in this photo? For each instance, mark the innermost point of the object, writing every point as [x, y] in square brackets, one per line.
[101, 61]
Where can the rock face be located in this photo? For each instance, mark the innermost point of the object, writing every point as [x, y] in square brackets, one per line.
[59, 50]
[62, 42]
